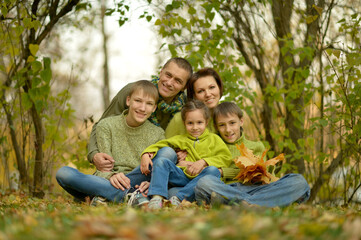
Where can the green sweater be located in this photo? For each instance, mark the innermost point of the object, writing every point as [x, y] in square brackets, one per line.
[208, 146]
[124, 143]
[231, 172]
[116, 107]
[176, 126]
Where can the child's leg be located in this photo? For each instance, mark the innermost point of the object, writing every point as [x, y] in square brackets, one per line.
[81, 185]
[164, 172]
[187, 192]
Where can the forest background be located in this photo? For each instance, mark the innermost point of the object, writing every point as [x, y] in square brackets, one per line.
[292, 66]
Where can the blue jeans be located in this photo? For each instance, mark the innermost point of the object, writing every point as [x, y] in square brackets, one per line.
[165, 171]
[287, 190]
[81, 185]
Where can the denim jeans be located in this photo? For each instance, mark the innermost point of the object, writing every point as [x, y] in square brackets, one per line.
[287, 190]
[81, 185]
[165, 171]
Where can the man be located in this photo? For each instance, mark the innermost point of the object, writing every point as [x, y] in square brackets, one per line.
[171, 83]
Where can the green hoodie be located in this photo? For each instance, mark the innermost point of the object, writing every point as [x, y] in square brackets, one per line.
[208, 146]
[229, 173]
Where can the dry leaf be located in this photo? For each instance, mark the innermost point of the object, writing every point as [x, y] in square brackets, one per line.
[253, 169]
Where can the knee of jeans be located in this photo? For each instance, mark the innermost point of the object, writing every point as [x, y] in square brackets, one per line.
[168, 153]
[211, 170]
[161, 162]
[204, 182]
[63, 173]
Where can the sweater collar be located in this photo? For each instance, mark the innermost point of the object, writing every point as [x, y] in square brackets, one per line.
[204, 135]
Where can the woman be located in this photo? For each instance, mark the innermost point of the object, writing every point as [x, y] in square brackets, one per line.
[206, 86]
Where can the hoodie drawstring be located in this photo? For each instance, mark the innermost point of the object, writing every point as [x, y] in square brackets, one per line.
[194, 143]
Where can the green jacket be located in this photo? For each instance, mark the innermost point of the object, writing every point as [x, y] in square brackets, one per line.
[231, 172]
[176, 126]
[124, 143]
[116, 107]
[208, 146]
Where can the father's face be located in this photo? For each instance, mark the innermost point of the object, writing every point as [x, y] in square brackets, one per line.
[172, 80]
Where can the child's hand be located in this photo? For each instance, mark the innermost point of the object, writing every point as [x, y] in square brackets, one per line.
[146, 160]
[184, 164]
[120, 181]
[196, 167]
[181, 155]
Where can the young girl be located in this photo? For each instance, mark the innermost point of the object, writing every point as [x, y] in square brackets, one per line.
[206, 152]
[228, 118]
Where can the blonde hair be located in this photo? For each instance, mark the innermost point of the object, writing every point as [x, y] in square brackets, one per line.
[147, 87]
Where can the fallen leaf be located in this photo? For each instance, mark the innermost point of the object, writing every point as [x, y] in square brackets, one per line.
[253, 169]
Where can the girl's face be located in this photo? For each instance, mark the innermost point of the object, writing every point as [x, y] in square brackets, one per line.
[229, 127]
[195, 122]
[207, 91]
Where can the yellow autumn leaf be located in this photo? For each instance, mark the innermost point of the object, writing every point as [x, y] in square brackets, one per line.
[253, 169]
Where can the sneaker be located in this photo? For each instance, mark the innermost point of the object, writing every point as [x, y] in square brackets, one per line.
[174, 201]
[137, 199]
[97, 201]
[155, 203]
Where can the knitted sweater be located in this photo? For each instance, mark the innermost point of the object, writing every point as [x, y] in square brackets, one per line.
[124, 143]
[116, 107]
[230, 172]
[176, 126]
[208, 146]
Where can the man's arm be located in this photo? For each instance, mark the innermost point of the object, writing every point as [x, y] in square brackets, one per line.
[116, 107]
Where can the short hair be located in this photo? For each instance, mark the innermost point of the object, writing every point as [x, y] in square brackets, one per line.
[182, 63]
[204, 72]
[193, 105]
[225, 109]
[147, 87]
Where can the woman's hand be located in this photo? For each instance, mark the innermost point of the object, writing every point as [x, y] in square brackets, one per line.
[143, 187]
[196, 167]
[146, 160]
[120, 181]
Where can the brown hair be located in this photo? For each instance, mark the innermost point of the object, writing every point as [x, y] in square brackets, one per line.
[182, 63]
[225, 109]
[204, 72]
[147, 87]
[193, 105]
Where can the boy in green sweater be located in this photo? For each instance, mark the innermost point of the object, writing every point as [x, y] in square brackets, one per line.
[123, 137]
[206, 152]
[228, 118]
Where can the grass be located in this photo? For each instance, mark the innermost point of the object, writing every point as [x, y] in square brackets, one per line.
[22, 217]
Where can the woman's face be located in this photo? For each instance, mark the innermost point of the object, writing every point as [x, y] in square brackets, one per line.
[229, 127]
[207, 91]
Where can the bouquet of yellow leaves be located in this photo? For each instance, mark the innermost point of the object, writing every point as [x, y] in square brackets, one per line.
[253, 169]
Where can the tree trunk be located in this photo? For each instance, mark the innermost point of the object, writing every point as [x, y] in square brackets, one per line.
[105, 91]
[37, 190]
[19, 159]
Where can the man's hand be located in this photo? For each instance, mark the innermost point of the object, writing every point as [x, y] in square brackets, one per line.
[146, 160]
[196, 167]
[143, 187]
[181, 155]
[120, 181]
[103, 162]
